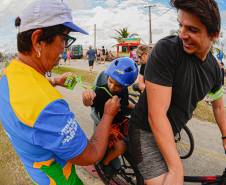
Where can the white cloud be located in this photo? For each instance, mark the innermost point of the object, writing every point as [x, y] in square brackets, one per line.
[108, 16]
[112, 3]
[130, 14]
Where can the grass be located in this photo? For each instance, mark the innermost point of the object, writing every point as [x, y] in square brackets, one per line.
[204, 112]
[85, 75]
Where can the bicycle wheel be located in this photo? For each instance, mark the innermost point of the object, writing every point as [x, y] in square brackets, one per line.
[127, 174]
[185, 142]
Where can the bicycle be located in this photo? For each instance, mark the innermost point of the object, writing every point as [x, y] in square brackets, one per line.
[207, 180]
[125, 172]
[184, 142]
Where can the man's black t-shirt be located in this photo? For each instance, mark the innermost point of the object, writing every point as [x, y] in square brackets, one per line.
[142, 68]
[102, 96]
[190, 78]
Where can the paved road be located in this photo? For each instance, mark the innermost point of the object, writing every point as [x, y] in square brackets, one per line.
[207, 159]
[83, 64]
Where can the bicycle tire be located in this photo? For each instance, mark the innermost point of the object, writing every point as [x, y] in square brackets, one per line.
[128, 174]
[185, 143]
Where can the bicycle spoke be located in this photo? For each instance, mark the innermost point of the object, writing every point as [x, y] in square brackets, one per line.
[184, 142]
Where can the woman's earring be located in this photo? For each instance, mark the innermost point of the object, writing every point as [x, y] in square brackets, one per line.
[38, 54]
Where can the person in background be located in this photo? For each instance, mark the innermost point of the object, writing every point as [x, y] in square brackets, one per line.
[133, 55]
[68, 56]
[222, 72]
[142, 52]
[64, 55]
[103, 55]
[37, 119]
[91, 55]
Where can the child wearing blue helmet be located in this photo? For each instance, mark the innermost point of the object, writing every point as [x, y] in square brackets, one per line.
[121, 73]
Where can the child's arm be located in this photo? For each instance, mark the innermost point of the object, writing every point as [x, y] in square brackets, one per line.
[88, 97]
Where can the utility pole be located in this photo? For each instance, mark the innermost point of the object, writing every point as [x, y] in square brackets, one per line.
[150, 33]
[95, 32]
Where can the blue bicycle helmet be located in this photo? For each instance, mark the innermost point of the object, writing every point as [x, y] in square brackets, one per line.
[123, 70]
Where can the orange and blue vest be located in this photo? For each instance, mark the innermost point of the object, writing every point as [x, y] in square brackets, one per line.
[40, 126]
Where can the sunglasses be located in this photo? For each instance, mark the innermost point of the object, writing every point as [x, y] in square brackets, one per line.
[139, 56]
[69, 40]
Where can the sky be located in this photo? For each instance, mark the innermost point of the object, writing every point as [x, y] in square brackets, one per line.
[108, 15]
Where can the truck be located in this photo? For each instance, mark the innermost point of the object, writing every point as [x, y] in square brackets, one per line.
[76, 51]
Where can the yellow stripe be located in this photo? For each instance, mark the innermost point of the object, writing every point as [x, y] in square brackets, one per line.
[43, 163]
[30, 92]
[67, 170]
[52, 182]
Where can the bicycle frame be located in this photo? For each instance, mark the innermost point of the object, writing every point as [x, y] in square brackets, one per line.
[207, 180]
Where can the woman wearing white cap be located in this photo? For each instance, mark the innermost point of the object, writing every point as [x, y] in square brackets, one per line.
[38, 121]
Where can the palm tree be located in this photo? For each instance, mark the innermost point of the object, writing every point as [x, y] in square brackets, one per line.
[121, 34]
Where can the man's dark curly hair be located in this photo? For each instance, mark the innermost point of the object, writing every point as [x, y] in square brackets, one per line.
[206, 10]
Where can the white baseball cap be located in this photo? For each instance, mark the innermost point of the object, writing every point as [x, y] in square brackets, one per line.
[45, 13]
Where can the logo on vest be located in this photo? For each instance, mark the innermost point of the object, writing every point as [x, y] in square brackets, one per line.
[69, 131]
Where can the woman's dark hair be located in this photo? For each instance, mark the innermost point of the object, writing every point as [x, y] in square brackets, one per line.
[206, 10]
[24, 44]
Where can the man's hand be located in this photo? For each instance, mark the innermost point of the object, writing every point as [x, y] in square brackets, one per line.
[174, 177]
[88, 97]
[112, 106]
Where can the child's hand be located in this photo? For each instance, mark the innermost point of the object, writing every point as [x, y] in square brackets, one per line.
[88, 97]
[112, 106]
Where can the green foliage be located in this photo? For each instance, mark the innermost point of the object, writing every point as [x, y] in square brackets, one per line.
[121, 34]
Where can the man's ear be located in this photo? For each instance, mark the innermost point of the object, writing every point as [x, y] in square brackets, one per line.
[214, 36]
[35, 40]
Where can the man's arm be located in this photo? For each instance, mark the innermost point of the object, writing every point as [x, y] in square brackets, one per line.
[219, 114]
[141, 82]
[159, 98]
[98, 143]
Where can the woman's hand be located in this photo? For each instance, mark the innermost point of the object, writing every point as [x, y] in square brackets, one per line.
[112, 106]
[88, 97]
[59, 80]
